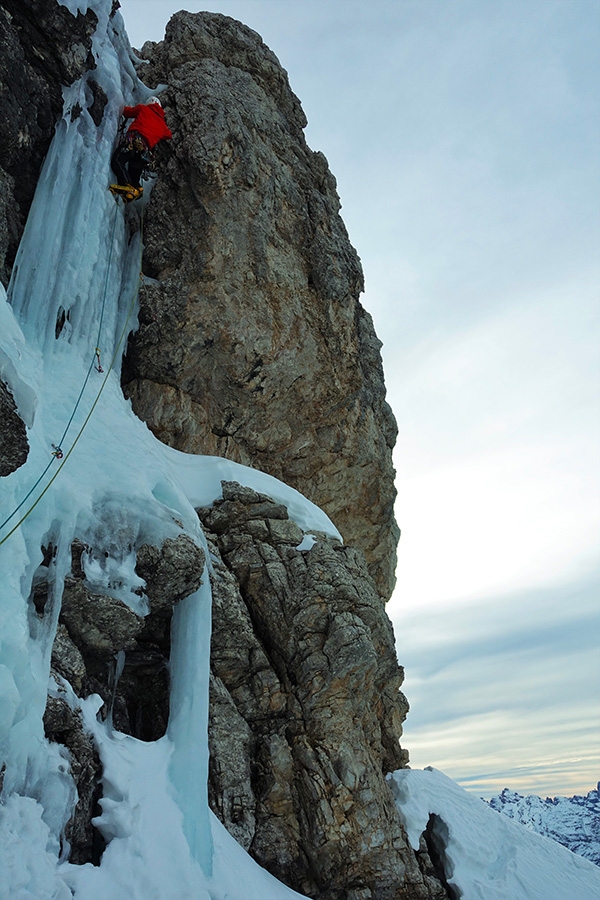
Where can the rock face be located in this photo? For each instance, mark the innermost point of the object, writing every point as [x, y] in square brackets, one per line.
[65, 727]
[42, 47]
[14, 446]
[306, 712]
[103, 647]
[252, 342]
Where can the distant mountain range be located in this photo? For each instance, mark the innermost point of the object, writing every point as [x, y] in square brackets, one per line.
[572, 821]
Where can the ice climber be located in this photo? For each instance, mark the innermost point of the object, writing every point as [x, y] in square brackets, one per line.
[134, 151]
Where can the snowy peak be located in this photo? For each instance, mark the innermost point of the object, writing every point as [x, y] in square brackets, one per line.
[573, 822]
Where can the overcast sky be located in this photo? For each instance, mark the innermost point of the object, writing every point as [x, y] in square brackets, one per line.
[465, 138]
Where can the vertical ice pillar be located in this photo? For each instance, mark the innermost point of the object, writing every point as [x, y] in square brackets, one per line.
[188, 721]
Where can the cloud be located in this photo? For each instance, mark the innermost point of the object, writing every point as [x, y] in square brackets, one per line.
[498, 475]
[526, 641]
[506, 689]
[571, 773]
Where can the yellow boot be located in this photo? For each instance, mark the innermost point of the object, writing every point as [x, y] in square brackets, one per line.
[127, 192]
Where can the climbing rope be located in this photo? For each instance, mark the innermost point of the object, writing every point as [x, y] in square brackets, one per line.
[96, 356]
[58, 453]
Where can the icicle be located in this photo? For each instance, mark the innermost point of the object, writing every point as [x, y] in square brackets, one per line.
[188, 721]
[119, 665]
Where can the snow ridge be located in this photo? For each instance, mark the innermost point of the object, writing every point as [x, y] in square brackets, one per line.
[486, 856]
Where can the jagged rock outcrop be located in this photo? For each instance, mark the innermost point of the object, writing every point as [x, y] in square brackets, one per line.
[14, 446]
[252, 343]
[306, 712]
[43, 46]
[103, 647]
[64, 726]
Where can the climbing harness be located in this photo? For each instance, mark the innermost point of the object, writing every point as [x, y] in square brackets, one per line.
[57, 451]
[133, 140]
[138, 142]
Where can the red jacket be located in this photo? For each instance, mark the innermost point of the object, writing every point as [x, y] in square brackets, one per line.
[149, 121]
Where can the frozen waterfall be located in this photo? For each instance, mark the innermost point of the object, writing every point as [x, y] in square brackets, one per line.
[73, 293]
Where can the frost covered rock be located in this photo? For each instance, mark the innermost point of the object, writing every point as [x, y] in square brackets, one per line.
[306, 712]
[252, 342]
[67, 660]
[171, 572]
[95, 628]
[43, 47]
[64, 726]
[14, 446]
[103, 647]
[98, 625]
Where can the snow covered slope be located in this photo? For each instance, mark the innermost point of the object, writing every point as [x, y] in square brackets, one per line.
[572, 821]
[489, 857]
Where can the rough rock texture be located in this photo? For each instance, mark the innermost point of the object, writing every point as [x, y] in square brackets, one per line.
[252, 342]
[64, 726]
[103, 647]
[171, 572]
[306, 712]
[14, 446]
[42, 47]
[98, 625]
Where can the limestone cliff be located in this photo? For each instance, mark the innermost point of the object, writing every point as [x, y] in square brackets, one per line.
[252, 344]
[306, 712]
[252, 341]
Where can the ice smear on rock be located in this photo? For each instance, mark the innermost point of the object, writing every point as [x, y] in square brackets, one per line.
[116, 487]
